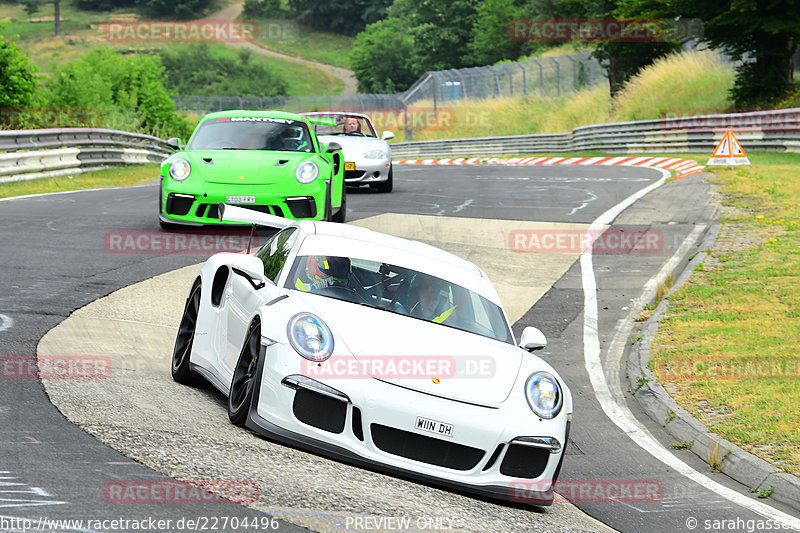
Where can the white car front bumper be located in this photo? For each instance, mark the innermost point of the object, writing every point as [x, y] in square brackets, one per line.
[372, 423]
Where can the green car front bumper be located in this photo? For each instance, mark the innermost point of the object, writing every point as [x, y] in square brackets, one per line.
[199, 204]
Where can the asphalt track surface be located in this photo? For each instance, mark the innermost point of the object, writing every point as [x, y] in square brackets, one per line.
[54, 260]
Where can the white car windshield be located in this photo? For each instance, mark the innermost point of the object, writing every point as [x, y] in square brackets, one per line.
[351, 125]
[399, 290]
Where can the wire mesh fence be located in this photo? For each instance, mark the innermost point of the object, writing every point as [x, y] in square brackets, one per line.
[544, 77]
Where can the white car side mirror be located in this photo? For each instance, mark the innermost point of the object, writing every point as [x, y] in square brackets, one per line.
[387, 135]
[532, 339]
[252, 268]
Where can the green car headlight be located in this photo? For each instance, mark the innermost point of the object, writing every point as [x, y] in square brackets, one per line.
[310, 337]
[306, 172]
[180, 169]
[375, 154]
[544, 395]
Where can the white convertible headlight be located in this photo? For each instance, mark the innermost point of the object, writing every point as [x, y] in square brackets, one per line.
[306, 172]
[310, 337]
[375, 154]
[544, 395]
[180, 169]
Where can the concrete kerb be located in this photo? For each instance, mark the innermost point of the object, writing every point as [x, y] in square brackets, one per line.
[732, 460]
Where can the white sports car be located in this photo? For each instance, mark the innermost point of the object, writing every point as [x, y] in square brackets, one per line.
[379, 351]
[368, 159]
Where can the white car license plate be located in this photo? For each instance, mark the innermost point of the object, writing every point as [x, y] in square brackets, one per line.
[433, 426]
[240, 200]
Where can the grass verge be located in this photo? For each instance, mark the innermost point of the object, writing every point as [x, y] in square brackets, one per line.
[290, 38]
[727, 349]
[112, 177]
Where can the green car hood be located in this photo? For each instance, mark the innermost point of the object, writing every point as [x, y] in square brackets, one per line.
[246, 167]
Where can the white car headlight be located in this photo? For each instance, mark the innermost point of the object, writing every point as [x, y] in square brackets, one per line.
[306, 172]
[544, 394]
[180, 169]
[375, 154]
[310, 337]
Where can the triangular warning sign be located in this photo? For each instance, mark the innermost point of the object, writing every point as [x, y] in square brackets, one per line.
[728, 152]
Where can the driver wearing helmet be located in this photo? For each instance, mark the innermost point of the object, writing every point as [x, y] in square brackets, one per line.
[326, 271]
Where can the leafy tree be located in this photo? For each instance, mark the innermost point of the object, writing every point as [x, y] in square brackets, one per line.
[127, 89]
[178, 9]
[346, 16]
[103, 5]
[622, 60]
[490, 41]
[17, 75]
[383, 57]
[262, 8]
[440, 31]
[764, 34]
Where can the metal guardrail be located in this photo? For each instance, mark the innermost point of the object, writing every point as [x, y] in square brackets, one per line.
[31, 154]
[777, 130]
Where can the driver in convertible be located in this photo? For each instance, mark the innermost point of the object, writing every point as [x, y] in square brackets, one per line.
[352, 125]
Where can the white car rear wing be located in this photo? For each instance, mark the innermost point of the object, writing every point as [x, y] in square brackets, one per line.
[232, 213]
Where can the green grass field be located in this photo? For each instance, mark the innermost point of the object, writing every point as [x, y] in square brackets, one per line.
[81, 30]
[287, 37]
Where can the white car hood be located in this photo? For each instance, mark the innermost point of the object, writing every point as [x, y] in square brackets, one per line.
[354, 146]
[475, 369]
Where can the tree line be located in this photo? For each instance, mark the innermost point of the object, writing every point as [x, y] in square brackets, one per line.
[415, 36]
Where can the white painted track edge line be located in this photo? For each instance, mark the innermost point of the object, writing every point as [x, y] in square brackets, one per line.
[619, 414]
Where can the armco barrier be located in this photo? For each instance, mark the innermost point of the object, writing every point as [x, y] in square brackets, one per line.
[777, 130]
[31, 154]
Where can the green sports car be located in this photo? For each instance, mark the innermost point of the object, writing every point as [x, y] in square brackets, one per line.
[269, 161]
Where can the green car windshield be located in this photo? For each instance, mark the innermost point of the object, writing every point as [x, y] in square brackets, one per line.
[252, 133]
[399, 290]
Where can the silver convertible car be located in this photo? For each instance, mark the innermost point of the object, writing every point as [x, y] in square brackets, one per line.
[378, 351]
[368, 158]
